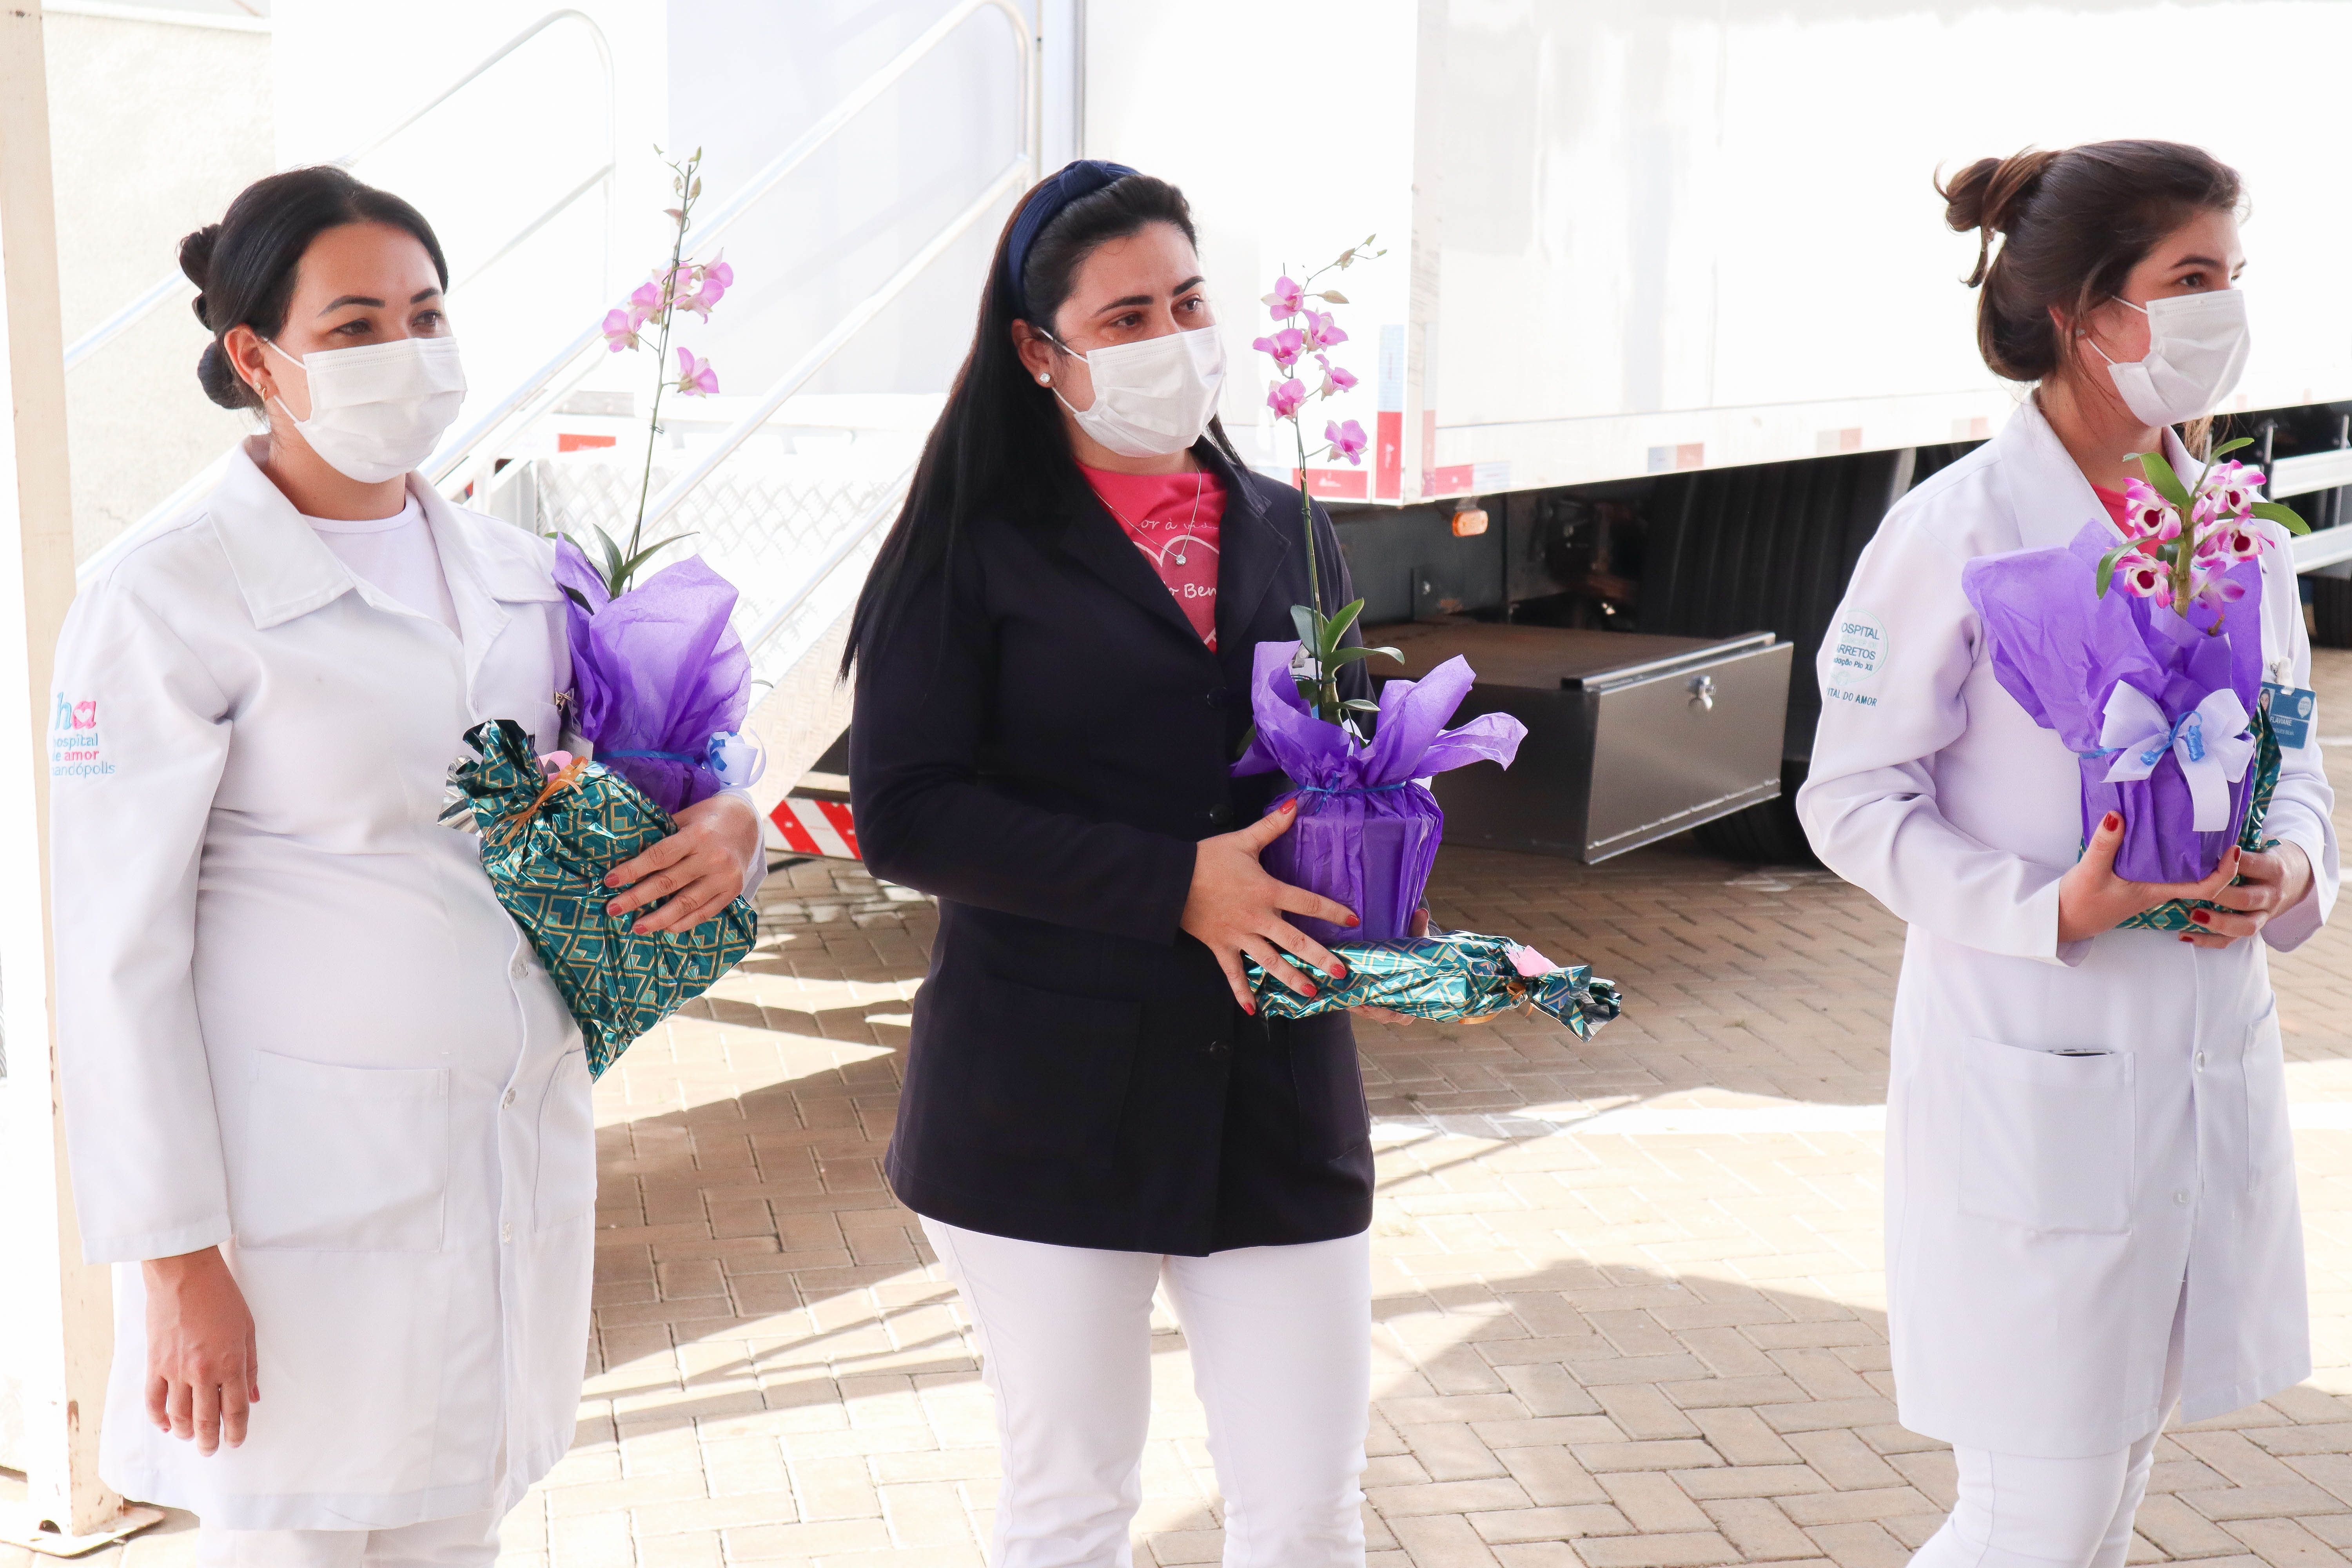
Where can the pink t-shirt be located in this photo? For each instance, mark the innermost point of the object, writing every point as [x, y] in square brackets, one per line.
[2115, 501]
[1174, 519]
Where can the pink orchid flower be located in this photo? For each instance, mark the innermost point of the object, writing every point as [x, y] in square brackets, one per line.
[1334, 378]
[2235, 489]
[1285, 346]
[1283, 303]
[2236, 542]
[1323, 331]
[647, 302]
[620, 330]
[1346, 441]
[695, 377]
[1285, 397]
[2146, 578]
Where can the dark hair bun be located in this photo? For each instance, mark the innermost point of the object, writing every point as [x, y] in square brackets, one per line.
[1985, 197]
[220, 381]
[196, 261]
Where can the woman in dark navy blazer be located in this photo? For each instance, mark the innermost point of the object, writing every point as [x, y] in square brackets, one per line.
[1053, 655]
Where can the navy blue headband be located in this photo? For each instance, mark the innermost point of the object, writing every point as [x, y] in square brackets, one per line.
[1067, 184]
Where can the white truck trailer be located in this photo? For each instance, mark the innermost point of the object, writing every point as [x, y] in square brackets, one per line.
[1670, 299]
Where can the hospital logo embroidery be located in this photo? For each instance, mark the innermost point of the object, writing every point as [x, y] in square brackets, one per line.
[1857, 652]
[75, 752]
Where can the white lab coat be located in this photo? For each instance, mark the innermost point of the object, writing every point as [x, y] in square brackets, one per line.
[2044, 1210]
[294, 1018]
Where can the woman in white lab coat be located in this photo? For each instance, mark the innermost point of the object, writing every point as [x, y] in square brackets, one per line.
[2091, 1199]
[326, 1112]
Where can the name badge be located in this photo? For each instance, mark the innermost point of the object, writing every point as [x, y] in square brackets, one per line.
[2290, 711]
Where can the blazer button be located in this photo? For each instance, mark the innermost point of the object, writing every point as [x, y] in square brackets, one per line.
[1215, 699]
[1219, 814]
[1218, 1047]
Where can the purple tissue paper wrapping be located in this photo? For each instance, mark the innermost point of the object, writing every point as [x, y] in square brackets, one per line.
[2061, 650]
[658, 669]
[1367, 830]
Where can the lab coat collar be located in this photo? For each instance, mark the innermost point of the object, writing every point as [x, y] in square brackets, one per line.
[2048, 495]
[284, 571]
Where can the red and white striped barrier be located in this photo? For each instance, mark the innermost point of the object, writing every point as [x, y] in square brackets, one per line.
[817, 827]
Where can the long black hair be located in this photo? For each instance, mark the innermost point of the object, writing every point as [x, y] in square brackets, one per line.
[1000, 452]
[244, 266]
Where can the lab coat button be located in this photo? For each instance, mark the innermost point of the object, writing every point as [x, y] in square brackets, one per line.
[506, 1099]
[2180, 1200]
[2200, 1061]
[506, 1231]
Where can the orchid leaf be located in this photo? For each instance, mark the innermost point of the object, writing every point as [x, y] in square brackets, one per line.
[2286, 517]
[1249, 739]
[1350, 655]
[1357, 705]
[2167, 483]
[1304, 620]
[2226, 448]
[1337, 628]
[579, 598]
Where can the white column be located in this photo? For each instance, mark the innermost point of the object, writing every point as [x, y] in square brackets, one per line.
[67, 1332]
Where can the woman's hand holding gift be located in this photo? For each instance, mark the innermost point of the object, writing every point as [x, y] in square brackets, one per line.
[2091, 900]
[699, 869]
[2275, 881]
[1235, 907]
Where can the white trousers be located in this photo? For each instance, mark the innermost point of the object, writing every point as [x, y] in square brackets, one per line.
[2015, 1511]
[468, 1540]
[1281, 1345]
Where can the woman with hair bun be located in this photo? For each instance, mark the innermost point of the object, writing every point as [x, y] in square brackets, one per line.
[327, 1114]
[2090, 1195]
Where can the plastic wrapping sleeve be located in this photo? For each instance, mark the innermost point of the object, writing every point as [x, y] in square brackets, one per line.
[2061, 650]
[1448, 977]
[2269, 761]
[1368, 828]
[546, 845]
[658, 675]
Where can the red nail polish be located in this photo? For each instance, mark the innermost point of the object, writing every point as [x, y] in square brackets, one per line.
[1353, 921]
[1310, 992]
[1250, 1008]
[2112, 821]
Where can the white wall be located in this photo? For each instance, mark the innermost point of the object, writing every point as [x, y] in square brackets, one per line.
[154, 126]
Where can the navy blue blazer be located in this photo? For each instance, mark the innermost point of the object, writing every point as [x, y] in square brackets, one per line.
[1040, 740]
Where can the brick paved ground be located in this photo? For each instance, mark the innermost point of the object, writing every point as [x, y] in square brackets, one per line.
[1622, 1345]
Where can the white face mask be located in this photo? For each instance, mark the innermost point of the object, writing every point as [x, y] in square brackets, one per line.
[378, 410]
[1153, 398]
[2196, 351]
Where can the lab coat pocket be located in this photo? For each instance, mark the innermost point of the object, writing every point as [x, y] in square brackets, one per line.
[342, 1159]
[2269, 1146]
[2047, 1141]
[566, 1187]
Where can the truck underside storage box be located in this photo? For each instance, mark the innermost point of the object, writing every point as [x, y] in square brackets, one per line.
[1631, 738]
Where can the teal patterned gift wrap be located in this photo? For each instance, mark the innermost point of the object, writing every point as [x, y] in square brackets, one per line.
[546, 845]
[1449, 976]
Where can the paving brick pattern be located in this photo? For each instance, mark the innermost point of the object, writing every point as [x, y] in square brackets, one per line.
[1592, 1349]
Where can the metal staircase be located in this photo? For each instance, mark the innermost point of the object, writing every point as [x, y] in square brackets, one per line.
[793, 524]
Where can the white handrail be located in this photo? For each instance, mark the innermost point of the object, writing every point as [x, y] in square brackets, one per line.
[544, 388]
[843, 549]
[177, 284]
[1016, 174]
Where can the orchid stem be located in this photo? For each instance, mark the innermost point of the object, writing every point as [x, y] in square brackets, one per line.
[661, 355]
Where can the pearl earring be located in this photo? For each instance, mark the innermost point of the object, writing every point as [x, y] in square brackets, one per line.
[1044, 381]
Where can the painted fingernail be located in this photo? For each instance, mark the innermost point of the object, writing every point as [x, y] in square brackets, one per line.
[2190, 943]
[2201, 917]
[2111, 822]
[1351, 921]
[1251, 1008]
[1311, 992]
